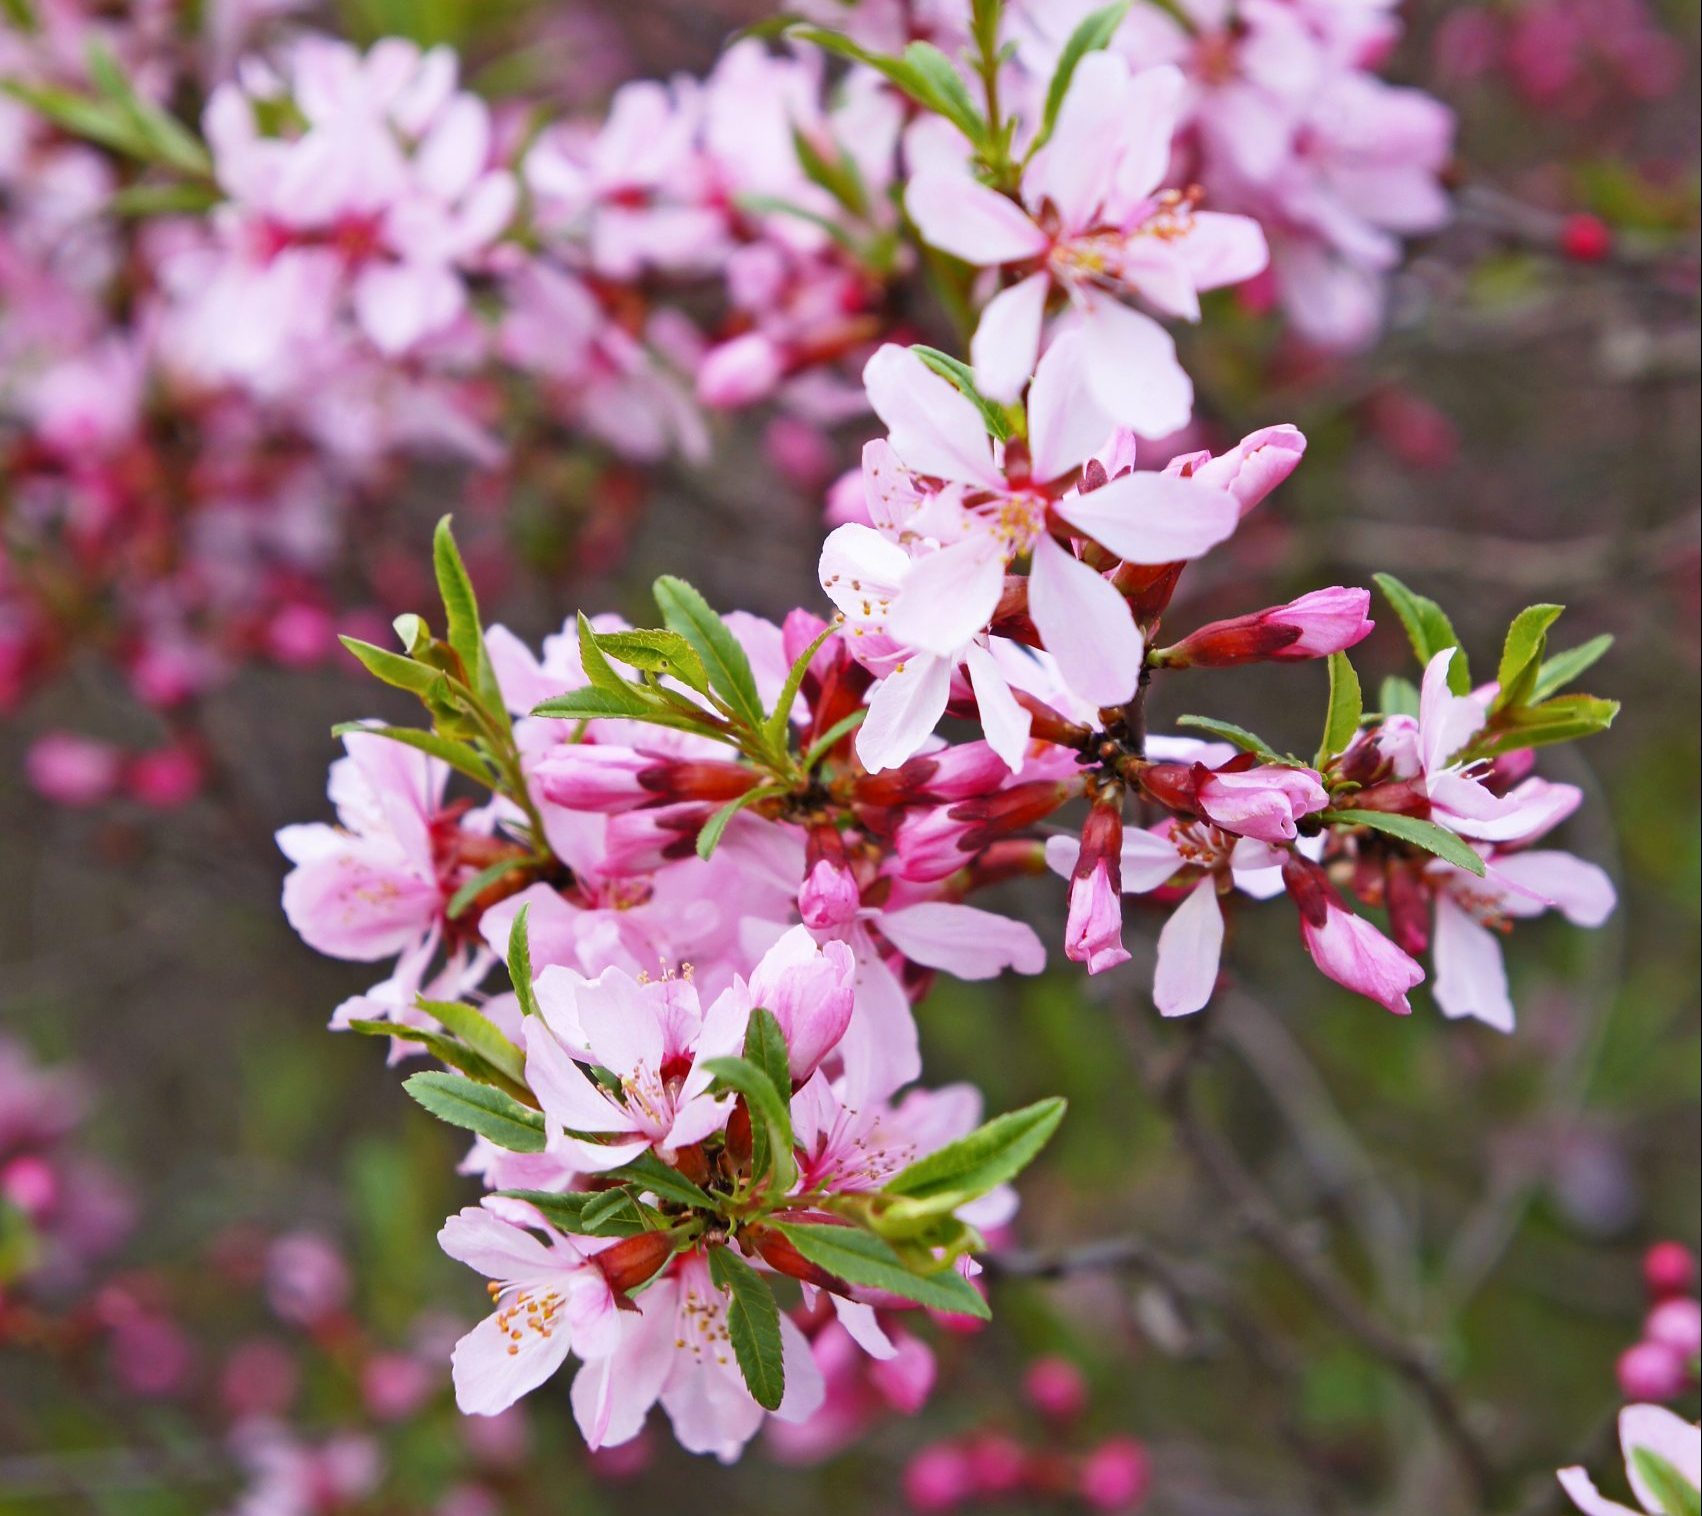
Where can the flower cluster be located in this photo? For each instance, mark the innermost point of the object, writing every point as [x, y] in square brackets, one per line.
[230, 344]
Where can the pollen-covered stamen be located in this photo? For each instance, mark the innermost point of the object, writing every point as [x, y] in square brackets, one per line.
[1101, 255]
[1202, 845]
[703, 1328]
[1485, 907]
[528, 1311]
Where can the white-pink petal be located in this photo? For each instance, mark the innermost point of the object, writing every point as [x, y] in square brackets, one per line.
[963, 939]
[1085, 624]
[1153, 518]
[948, 597]
[970, 221]
[904, 709]
[1007, 341]
[1189, 950]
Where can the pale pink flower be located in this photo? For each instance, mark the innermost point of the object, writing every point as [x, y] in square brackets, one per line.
[1657, 1430]
[550, 1299]
[1345, 946]
[1094, 221]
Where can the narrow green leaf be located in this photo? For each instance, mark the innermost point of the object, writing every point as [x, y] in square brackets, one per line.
[1347, 706]
[648, 1172]
[1676, 1495]
[944, 90]
[990, 1155]
[611, 1213]
[460, 756]
[463, 631]
[860, 1257]
[1522, 653]
[1420, 833]
[838, 175]
[1564, 718]
[753, 1323]
[962, 377]
[565, 1212]
[713, 829]
[766, 1104]
[1238, 736]
[480, 882]
[182, 199]
[393, 668]
[779, 721]
[665, 654]
[82, 116]
[765, 1049]
[729, 670]
[164, 138]
[1093, 33]
[445, 1049]
[775, 205]
[588, 704]
[1560, 670]
[603, 675]
[1428, 629]
[520, 962]
[497, 1117]
[480, 1033]
[833, 736]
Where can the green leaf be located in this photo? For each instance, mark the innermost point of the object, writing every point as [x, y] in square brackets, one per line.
[1347, 706]
[962, 377]
[482, 881]
[165, 139]
[393, 668]
[480, 1033]
[648, 1172]
[1676, 1494]
[944, 91]
[657, 652]
[1094, 32]
[461, 610]
[825, 744]
[753, 1322]
[776, 205]
[729, 670]
[82, 116]
[1420, 833]
[445, 1049]
[1397, 696]
[460, 756]
[993, 1153]
[1522, 654]
[183, 199]
[713, 829]
[588, 704]
[767, 1104]
[520, 962]
[765, 1049]
[1565, 718]
[493, 1115]
[1239, 736]
[860, 1257]
[837, 175]
[611, 1213]
[566, 1212]
[779, 720]
[1428, 629]
[1560, 670]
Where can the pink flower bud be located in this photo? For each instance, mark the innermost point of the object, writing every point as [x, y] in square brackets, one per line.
[829, 896]
[938, 1479]
[260, 1378]
[73, 771]
[1263, 802]
[810, 988]
[1093, 932]
[1345, 946]
[739, 372]
[907, 1378]
[1055, 1387]
[585, 776]
[1115, 1476]
[166, 778]
[1669, 1268]
[800, 453]
[997, 1464]
[1252, 468]
[1676, 1323]
[395, 1385]
[1314, 626]
[301, 635]
[30, 1184]
[151, 1357]
[306, 1278]
[1651, 1371]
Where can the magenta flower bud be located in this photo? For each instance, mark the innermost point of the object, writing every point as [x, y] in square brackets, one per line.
[1093, 933]
[1677, 1324]
[395, 1385]
[29, 1183]
[1055, 1387]
[997, 1464]
[739, 372]
[1115, 1476]
[1314, 626]
[589, 777]
[1263, 802]
[810, 988]
[929, 843]
[639, 842]
[1252, 468]
[1346, 947]
[166, 778]
[1651, 1371]
[829, 895]
[1669, 1268]
[938, 1479]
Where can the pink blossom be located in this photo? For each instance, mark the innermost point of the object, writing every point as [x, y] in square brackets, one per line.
[1346, 947]
[1115, 1476]
[1665, 1435]
[1650, 1370]
[306, 1278]
[1263, 802]
[1314, 626]
[550, 1299]
[71, 770]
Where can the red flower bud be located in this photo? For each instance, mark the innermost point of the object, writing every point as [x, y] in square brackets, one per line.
[633, 1260]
